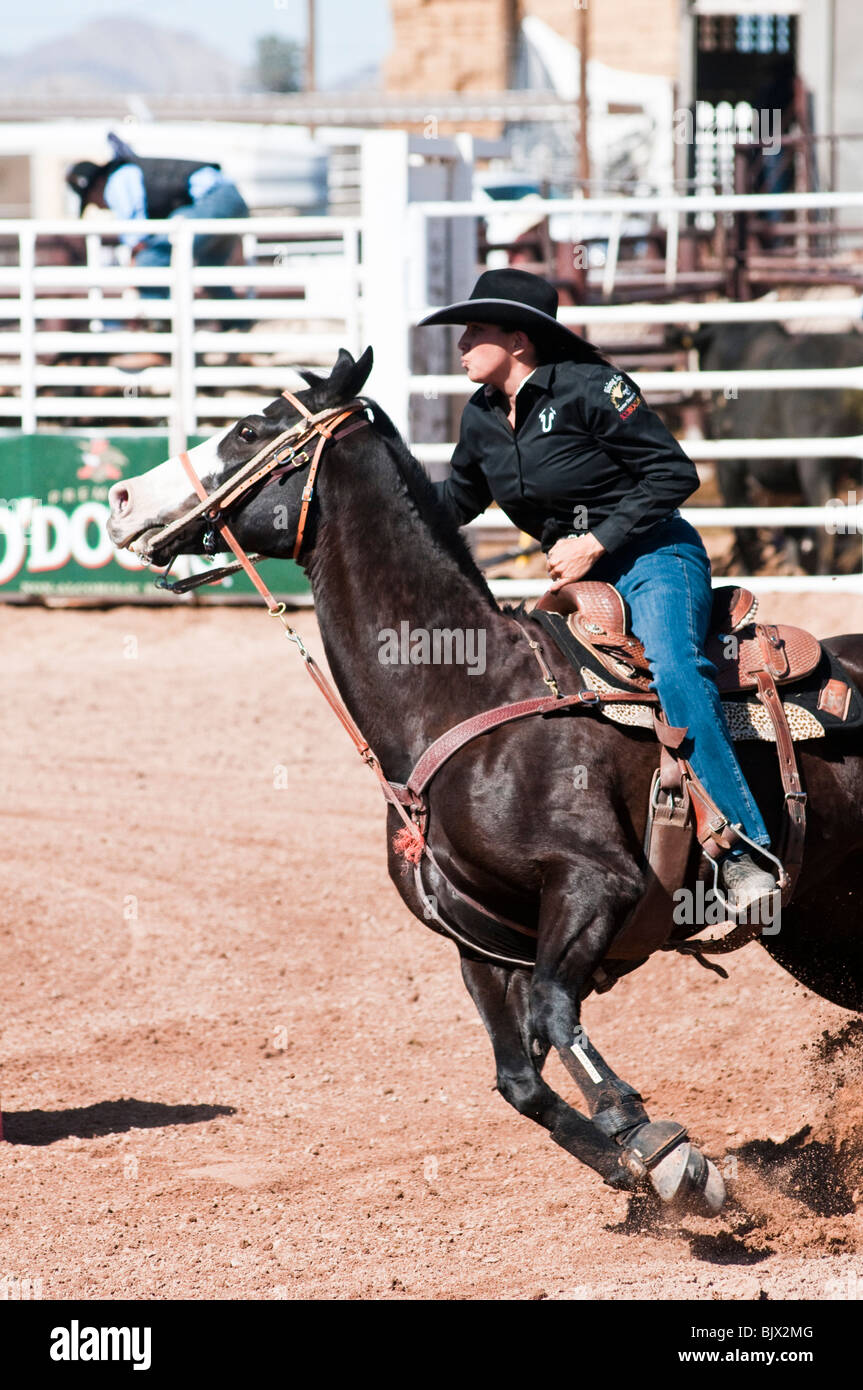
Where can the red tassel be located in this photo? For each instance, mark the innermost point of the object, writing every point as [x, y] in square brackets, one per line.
[410, 844]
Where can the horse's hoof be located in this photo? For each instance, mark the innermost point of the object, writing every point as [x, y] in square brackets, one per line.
[689, 1181]
[678, 1172]
[713, 1191]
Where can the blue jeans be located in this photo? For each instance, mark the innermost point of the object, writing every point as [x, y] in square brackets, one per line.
[665, 578]
[213, 248]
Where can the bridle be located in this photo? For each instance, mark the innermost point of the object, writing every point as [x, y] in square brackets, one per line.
[282, 455]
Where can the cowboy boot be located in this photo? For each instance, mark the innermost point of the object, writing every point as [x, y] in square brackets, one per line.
[745, 882]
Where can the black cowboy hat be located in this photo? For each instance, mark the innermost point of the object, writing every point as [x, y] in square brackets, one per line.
[518, 299]
[81, 178]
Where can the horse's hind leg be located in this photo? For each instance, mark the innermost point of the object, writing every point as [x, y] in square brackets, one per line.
[620, 1142]
[580, 914]
[656, 1149]
[502, 997]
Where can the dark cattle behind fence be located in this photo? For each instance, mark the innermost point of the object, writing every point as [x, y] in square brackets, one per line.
[785, 413]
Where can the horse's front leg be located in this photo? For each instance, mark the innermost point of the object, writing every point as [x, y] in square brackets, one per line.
[502, 996]
[582, 910]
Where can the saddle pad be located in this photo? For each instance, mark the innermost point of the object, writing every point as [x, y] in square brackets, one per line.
[747, 718]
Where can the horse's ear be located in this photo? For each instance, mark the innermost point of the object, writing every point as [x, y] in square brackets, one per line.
[332, 384]
[349, 377]
[346, 379]
[360, 371]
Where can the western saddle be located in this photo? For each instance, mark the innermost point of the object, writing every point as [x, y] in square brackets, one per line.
[749, 657]
[597, 615]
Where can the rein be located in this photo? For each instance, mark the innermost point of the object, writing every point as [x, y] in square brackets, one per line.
[266, 464]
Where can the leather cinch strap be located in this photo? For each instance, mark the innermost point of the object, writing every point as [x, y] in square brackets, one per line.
[795, 796]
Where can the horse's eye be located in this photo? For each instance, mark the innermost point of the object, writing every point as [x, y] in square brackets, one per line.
[247, 434]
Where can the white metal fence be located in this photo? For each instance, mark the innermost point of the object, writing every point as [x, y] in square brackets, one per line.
[671, 209]
[312, 285]
[303, 274]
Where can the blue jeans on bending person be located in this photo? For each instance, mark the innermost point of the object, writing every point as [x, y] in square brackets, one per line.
[211, 248]
[665, 578]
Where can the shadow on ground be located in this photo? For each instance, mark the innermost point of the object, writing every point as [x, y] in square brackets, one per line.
[108, 1117]
[727, 1248]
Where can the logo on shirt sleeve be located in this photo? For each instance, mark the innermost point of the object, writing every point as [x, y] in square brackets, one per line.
[624, 399]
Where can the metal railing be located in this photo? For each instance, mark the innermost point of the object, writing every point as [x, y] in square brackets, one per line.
[672, 208]
[314, 280]
[321, 272]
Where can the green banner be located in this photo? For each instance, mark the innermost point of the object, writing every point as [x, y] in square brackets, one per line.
[53, 513]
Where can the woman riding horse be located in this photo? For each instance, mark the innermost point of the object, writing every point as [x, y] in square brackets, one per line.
[566, 446]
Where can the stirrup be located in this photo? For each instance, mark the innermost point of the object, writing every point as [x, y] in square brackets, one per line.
[781, 876]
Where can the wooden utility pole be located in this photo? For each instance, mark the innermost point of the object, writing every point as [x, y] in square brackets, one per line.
[582, 39]
[310, 45]
[311, 52]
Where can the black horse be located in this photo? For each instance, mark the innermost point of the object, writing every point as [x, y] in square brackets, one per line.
[539, 821]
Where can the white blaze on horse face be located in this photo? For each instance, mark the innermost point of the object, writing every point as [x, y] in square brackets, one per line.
[153, 499]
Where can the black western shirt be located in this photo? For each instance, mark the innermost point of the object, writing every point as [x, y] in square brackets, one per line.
[586, 454]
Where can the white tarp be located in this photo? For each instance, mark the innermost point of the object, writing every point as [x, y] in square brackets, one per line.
[623, 147]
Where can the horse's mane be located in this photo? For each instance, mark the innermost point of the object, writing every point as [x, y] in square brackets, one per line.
[422, 494]
[441, 531]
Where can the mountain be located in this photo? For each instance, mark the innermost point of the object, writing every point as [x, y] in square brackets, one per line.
[122, 55]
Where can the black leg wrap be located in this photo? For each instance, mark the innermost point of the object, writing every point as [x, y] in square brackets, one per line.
[621, 1180]
[621, 1116]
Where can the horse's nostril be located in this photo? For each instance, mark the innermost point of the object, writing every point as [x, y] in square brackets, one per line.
[118, 499]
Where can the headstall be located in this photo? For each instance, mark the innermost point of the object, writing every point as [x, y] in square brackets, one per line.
[284, 454]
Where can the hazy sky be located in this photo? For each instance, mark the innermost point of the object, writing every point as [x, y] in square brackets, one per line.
[350, 33]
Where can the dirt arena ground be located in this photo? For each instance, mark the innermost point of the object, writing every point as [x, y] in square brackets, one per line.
[233, 1066]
